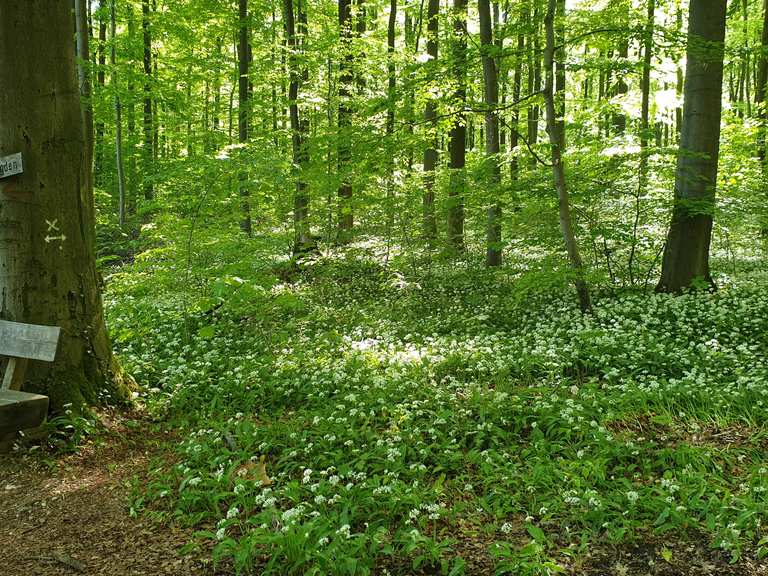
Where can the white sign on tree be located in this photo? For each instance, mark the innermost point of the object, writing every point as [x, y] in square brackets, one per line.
[11, 165]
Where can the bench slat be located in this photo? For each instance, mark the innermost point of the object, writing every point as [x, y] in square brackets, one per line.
[21, 410]
[28, 340]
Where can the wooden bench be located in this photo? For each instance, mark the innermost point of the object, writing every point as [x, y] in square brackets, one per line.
[20, 343]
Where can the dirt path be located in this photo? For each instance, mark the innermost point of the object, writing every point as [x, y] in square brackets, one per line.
[69, 514]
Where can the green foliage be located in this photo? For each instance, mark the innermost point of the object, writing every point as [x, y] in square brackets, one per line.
[364, 417]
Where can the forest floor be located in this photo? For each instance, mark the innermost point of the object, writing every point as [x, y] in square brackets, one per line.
[70, 514]
[349, 418]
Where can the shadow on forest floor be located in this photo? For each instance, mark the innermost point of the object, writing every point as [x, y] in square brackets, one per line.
[69, 514]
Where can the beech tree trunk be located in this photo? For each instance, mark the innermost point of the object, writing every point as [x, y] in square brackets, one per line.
[101, 59]
[242, 114]
[118, 120]
[556, 140]
[82, 31]
[302, 238]
[429, 223]
[458, 136]
[391, 104]
[491, 93]
[148, 155]
[761, 101]
[645, 130]
[344, 151]
[686, 255]
[47, 264]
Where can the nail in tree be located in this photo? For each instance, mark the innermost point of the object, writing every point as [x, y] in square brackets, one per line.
[686, 255]
[47, 263]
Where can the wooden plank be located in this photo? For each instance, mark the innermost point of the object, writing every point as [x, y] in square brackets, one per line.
[28, 340]
[21, 410]
[14, 374]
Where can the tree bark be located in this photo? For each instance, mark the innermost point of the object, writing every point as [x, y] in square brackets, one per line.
[645, 129]
[491, 93]
[761, 97]
[429, 221]
[344, 151]
[686, 255]
[118, 120]
[391, 104]
[82, 31]
[556, 140]
[148, 156]
[458, 135]
[302, 238]
[534, 82]
[47, 264]
[98, 164]
[243, 113]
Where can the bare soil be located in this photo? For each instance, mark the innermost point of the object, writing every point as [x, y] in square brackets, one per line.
[69, 514]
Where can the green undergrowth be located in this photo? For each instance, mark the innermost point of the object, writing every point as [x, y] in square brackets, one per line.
[347, 417]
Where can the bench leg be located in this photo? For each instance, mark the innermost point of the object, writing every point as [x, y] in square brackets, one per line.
[14, 374]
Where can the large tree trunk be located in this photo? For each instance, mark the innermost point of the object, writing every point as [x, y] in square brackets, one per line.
[429, 223]
[686, 255]
[491, 92]
[47, 264]
[556, 140]
[243, 113]
[458, 136]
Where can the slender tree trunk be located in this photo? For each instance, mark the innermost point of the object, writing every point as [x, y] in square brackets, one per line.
[118, 119]
[534, 82]
[391, 104]
[491, 92]
[131, 121]
[556, 140]
[344, 151]
[47, 263]
[686, 256]
[761, 100]
[620, 88]
[243, 113]
[98, 165]
[679, 78]
[458, 136]
[645, 128]
[559, 63]
[429, 222]
[302, 238]
[148, 156]
[514, 135]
